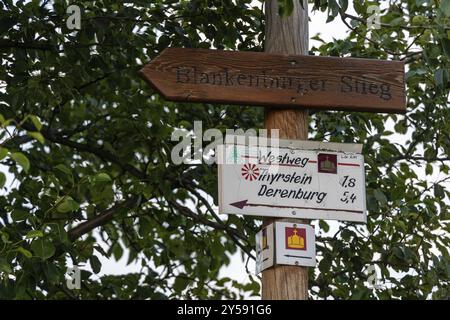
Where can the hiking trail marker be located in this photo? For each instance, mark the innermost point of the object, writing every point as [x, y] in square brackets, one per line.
[295, 244]
[265, 79]
[298, 179]
[265, 248]
[285, 243]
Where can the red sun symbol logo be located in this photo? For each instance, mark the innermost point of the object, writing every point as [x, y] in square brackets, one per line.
[250, 171]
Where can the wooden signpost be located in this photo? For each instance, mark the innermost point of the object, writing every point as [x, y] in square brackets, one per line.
[288, 83]
[254, 78]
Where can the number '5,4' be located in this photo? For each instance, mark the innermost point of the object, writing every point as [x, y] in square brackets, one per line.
[347, 197]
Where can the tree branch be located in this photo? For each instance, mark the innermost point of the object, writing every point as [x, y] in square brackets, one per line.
[37, 45]
[103, 154]
[103, 218]
[189, 213]
[387, 25]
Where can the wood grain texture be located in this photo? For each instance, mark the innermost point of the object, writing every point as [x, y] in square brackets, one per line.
[282, 80]
[286, 35]
[285, 283]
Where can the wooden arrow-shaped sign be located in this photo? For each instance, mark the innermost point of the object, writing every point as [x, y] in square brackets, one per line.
[252, 78]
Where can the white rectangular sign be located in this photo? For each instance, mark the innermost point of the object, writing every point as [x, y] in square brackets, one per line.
[264, 248]
[295, 244]
[300, 179]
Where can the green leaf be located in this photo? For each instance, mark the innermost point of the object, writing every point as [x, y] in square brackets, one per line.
[325, 264]
[2, 179]
[37, 135]
[180, 283]
[5, 266]
[63, 173]
[216, 247]
[117, 251]
[397, 22]
[343, 4]
[446, 47]
[22, 160]
[25, 252]
[66, 204]
[95, 264]
[102, 177]
[4, 237]
[51, 271]
[333, 10]
[445, 7]
[36, 122]
[379, 195]
[3, 153]
[441, 77]
[64, 169]
[19, 215]
[34, 234]
[439, 191]
[398, 252]
[43, 248]
[324, 225]
[429, 169]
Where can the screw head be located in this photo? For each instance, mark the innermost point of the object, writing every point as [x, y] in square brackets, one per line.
[294, 213]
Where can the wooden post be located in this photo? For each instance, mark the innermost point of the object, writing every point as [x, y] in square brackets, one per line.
[287, 35]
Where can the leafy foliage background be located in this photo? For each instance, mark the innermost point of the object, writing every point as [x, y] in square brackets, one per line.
[88, 144]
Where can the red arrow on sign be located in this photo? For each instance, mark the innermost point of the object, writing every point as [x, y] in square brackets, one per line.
[245, 203]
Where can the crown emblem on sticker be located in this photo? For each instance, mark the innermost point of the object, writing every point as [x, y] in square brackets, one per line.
[295, 238]
[327, 163]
